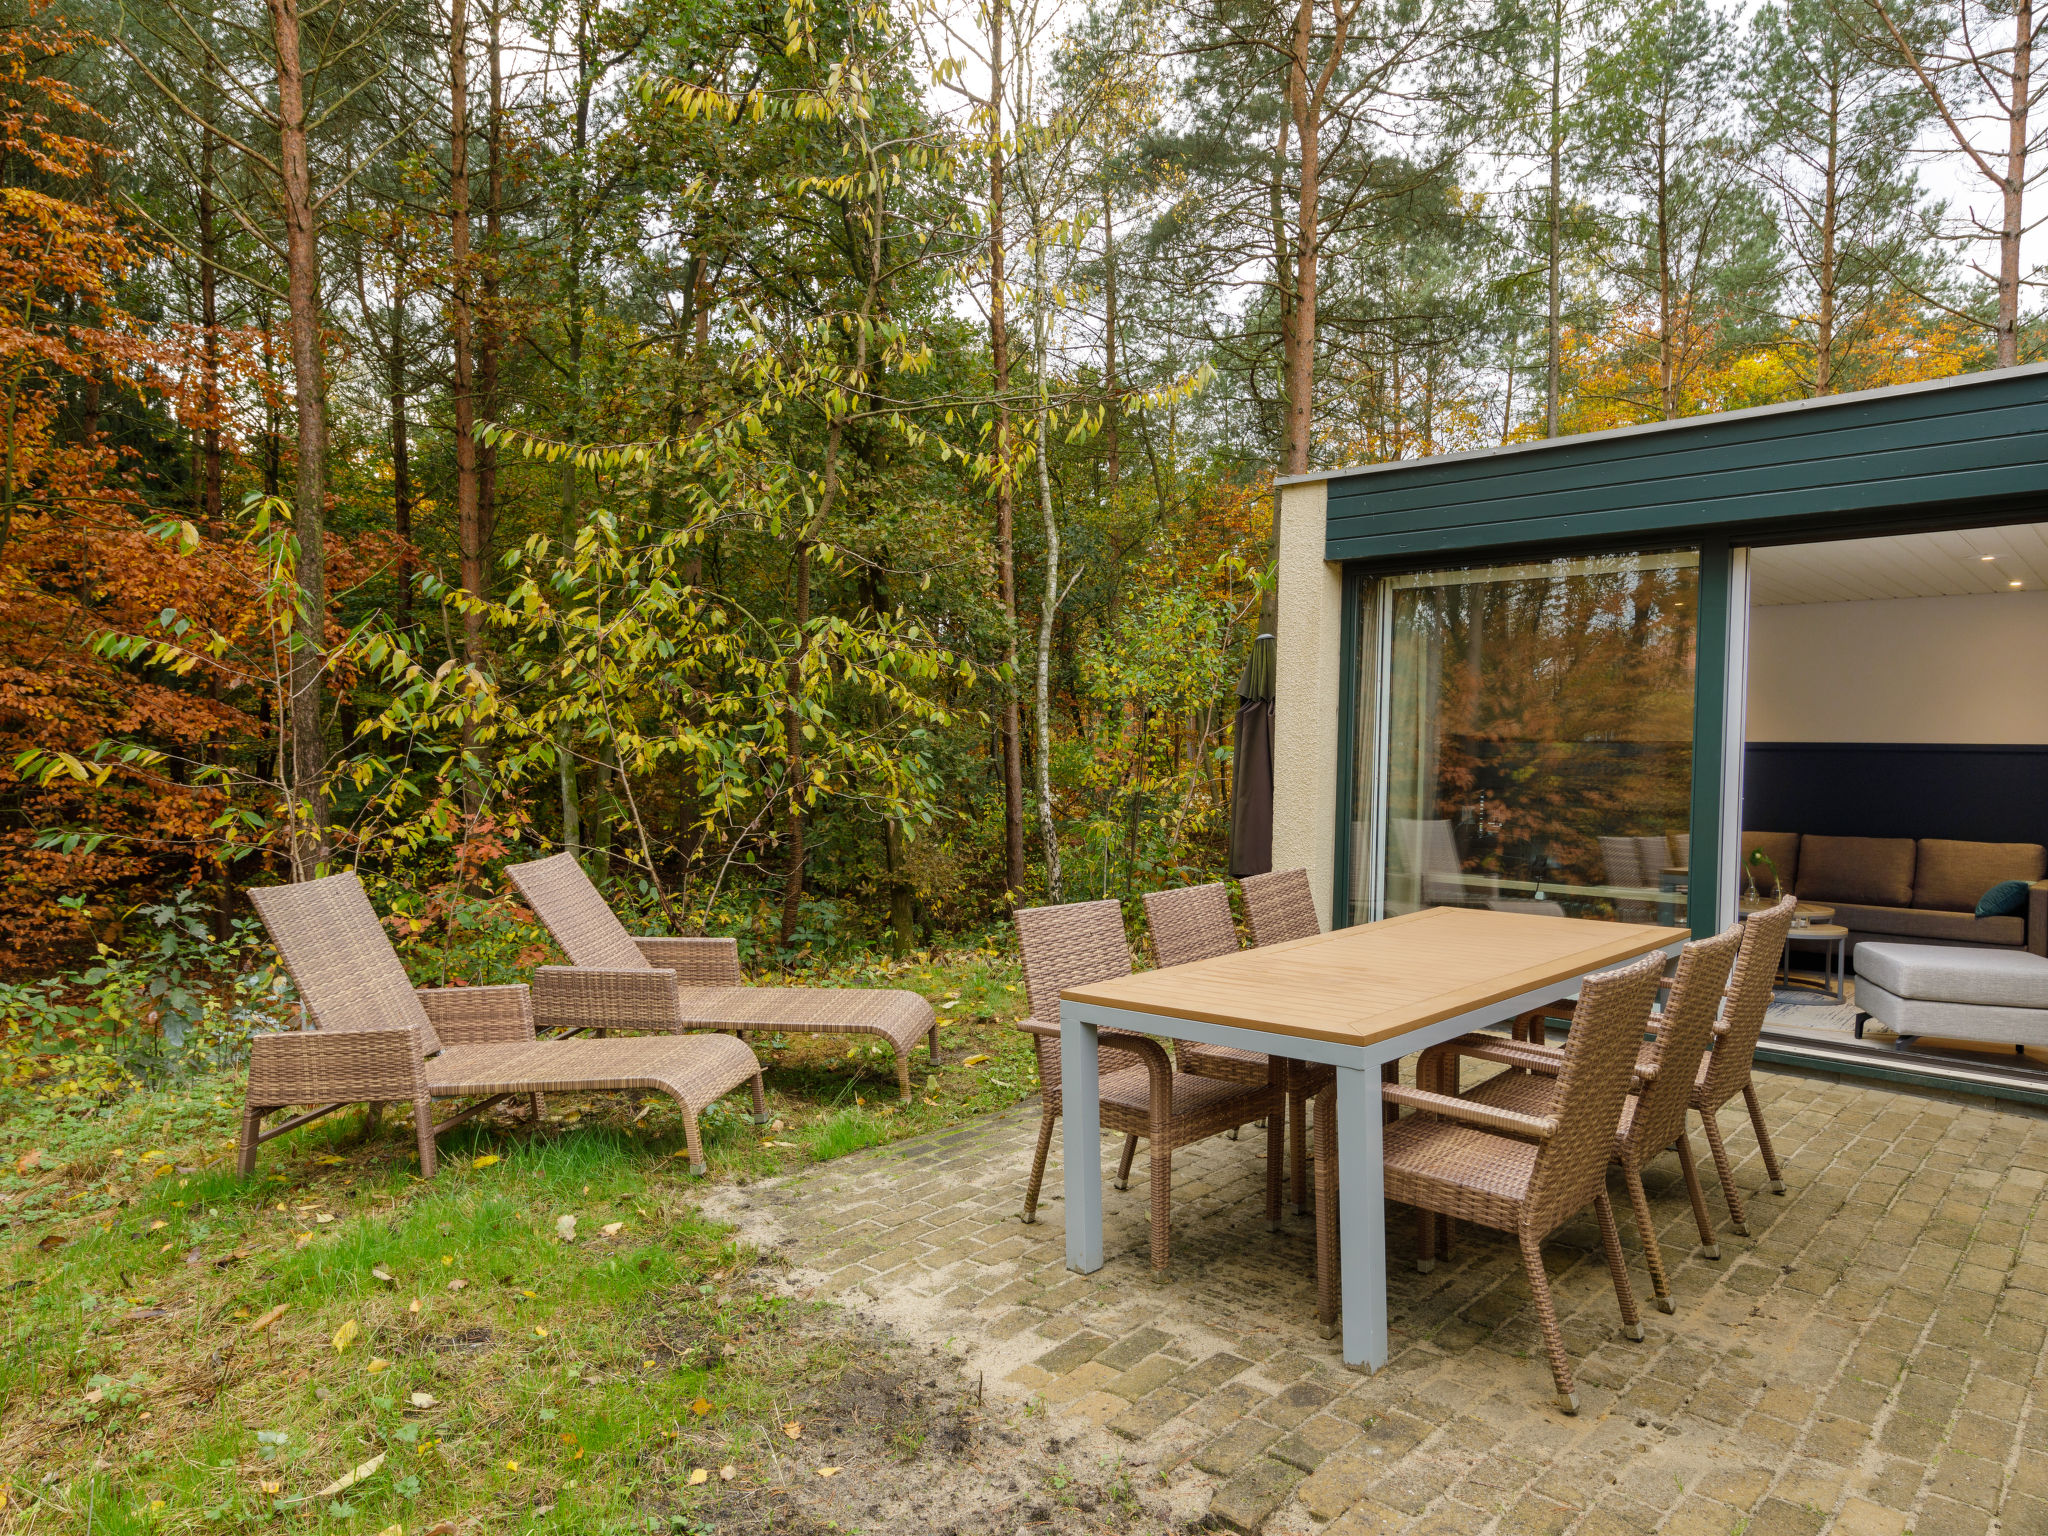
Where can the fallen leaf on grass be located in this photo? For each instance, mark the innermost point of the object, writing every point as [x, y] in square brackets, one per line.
[565, 1228]
[379, 1272]
[322, 1219]
[270, 1317]
[392, 1530]
[443, 1528]
[727, 1473]
[348, 1480]
[456, 1285]
[345, 1335]
[422, 1399]
[485, 1161]
[305, 1238]
[974, 1061]
[53, 1242]
[271, 1487]
[792, 1429]
[329, 1161]
[158, 1226]
[611, 1229]
[415, 1305]
[540, 1333]
[378, 1363]
[699, 1476]
[828, 1471]
[700, 1407]
[29, 1161]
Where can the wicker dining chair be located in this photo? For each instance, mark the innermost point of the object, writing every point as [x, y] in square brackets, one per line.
[1524, 1174]
[1279, 906]
[377, 1039]
[1141, 1093]
[1193, 923]
[611, 979]
[1726, 1070]
[1652, 1120]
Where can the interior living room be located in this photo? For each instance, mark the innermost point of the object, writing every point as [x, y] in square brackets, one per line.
[1895, 778]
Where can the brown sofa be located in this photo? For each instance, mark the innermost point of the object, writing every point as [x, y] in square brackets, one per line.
[1922, 890]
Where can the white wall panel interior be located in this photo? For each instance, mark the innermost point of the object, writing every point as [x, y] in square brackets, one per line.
[1909, 669]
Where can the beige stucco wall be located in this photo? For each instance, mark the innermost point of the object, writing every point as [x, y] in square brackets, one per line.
[1305, 709]
[1918, 669]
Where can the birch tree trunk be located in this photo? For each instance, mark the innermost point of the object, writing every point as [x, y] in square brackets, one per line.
[1048, 828]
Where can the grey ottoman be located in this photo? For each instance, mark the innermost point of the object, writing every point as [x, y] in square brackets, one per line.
[1965, 994]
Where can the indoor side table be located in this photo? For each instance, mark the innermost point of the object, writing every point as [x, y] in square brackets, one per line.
[1834, 959]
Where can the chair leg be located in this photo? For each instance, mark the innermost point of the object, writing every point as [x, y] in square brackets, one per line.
[903, 1075]
[1425, 1239]
[245, 1147]
[538, 1103]
[693, 1138]
[1326, 1211]
[1763, 1139]
[1709, 1246]
[760, 1099]
[1737, 1220]
[1162, 1200]
[1546, 1319]
[371, 1113]
[1276, 1154]
[1123, 1165]
[1617, 1266]
[1653, 1256]
[1031, 1189]
[423, 1128]
[932, 1046]
[1390, 1072]
[1297, 1131]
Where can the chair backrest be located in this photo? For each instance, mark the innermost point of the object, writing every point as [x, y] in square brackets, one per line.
[573, 910]
[1063, 947]
[1280, 907]
[1599, 1062]
[1689, 1015]
[340, 958]
[1621, 861]
[1749, 997]
[1191, 923]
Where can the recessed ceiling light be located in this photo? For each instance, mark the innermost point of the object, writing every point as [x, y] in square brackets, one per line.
[1987, 557]
[2012, 583]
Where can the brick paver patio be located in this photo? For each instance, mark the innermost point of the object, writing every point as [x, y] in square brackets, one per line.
[1867, 1362]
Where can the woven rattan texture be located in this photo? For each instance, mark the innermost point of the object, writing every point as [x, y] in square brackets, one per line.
[1279, 906]
[1192, 922]
[576, 913]
[340, 958]
[696, 962]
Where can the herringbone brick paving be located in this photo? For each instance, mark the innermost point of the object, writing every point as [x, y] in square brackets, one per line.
[1867, 1362]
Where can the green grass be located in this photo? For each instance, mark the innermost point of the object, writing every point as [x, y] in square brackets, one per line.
[574, 1385]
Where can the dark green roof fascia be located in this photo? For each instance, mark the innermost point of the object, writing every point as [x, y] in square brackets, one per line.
[1975, 439]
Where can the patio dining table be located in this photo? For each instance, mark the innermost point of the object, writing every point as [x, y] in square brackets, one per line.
[1354, 998]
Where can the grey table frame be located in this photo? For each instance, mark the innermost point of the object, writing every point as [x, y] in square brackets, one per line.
[1361, 1185]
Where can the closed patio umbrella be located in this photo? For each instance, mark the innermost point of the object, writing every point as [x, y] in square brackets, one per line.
[1251, 784]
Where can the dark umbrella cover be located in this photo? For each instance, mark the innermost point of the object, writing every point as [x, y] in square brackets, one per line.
[1251, 784]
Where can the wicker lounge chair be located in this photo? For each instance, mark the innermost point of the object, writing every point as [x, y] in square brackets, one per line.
[1666, 1070]
[1142, 1095]
[1516, 1173]
[611, 979]
[1193, 923]
[1280, 907]
[376, 1039]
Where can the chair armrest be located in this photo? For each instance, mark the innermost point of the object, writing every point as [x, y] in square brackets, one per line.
[2037, 917]
[696, 962]
[583, 997]
[1540, 1128]
[479, 1015]
[1144, 1047]
[341, 1066]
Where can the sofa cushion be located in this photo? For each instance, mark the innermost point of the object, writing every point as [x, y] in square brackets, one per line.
[1874, 871]
[1950, 876]
[1994, 977]
[1919, 923]
[2008, 898]
[1781, 848]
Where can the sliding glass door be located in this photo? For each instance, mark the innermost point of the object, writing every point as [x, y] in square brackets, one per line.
[1526, 739]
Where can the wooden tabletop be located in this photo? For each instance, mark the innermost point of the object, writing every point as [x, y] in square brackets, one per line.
[1368, 983]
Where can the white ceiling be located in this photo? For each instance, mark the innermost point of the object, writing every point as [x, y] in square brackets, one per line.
[1902, 565]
